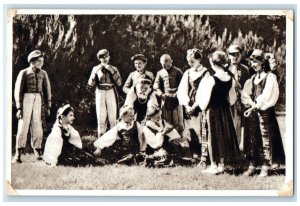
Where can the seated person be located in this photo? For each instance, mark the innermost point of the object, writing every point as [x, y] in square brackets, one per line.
[163, 141]
[122, 143]
[63, 145]
[140, 97]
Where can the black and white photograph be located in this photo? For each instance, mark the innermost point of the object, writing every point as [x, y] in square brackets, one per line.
[197, 102]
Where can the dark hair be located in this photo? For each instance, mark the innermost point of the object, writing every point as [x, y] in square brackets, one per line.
[35, 58]
[67, 111]
[196, 53]
[266, 65]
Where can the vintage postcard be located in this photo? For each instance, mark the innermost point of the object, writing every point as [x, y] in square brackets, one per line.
[150, 102]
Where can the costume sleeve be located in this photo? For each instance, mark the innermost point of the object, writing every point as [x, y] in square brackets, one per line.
[75, 138]
[53, 146]
[117, 77]
[152, 100]
[270, 94]
[128, 84]
[153, 140]
[183, 90]
[156, 84]
[91, 81]
[107, 139]
[205, 78]
[19, 90]
[173, 134]
[247, 92]
[131, 97]
[204, 92]
[47, 89]
[141, 137]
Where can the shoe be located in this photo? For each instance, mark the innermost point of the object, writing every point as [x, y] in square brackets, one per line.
[249, 172]
[213, 169]
[263, 171]
[221, 168]
[202, 165]
[37, 155]
[16, 159]
[195, 156]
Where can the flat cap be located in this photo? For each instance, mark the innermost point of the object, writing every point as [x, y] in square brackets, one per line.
[34, 54]
[234, 48]
[102, 52]
[139, 57]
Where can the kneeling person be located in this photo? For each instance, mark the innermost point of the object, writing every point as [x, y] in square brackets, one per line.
[123, 143]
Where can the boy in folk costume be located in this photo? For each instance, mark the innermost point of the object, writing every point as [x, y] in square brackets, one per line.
[241, 74]
[166, 84]
[162, 139]
[32, 88]
[124, 142]
[106, 77]
[186, 95]
[140, 97]
[140, 63]
[261, 93]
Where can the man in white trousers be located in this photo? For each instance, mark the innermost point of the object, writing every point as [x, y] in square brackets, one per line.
[32, 88]
[106, 77]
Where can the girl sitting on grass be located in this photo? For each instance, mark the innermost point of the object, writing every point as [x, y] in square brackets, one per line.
[122, 143]
[63, 145]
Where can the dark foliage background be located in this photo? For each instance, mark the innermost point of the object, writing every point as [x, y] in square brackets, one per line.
[71, 42]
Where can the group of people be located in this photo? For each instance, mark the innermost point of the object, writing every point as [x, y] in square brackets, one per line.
[217, 117]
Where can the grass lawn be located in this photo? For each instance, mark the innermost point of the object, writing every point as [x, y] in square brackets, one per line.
[37, 175]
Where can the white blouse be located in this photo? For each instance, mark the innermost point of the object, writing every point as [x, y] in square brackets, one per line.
[205, 88]
[111, 136]
[189, 75]
[269, 95]
[54, 142]
[156, 140]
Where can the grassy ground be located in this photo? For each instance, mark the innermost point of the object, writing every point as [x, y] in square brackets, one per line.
[37, 175]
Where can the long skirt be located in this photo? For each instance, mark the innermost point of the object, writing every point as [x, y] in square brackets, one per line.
[271, 138]
[253, 147]
[222, 137]
[74, 156]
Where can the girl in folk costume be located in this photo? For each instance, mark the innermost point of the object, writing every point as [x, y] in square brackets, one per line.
[106, 77]
[140, 97]
[140, 63]
[186, 95]
[63, 145]
[124, 142]
[161, 138]
[166, 84]
[261, 94]
[215, 96]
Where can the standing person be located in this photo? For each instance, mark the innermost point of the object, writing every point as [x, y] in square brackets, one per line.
[166, 84]
[241, 74]
[141, 97]
[140, 63]
[215, 95]
[106, 77]
[31, 89]
[64, 145]
[186, 95]
[261, 92]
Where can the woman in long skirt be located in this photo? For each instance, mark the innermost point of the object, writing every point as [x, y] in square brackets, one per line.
[261, 93]
[215, 95]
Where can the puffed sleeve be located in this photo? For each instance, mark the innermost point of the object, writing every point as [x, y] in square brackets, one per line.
[247, 92]
[153, 140]
[53, 146]
[204, 92]
[152, 100]
[173, 134]
[183, 90]
[107, 139]
[141, 137]
[270, 93]
[131, 97]
[91, 80]
[128, 84]
[75, 137]
[19, 86]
